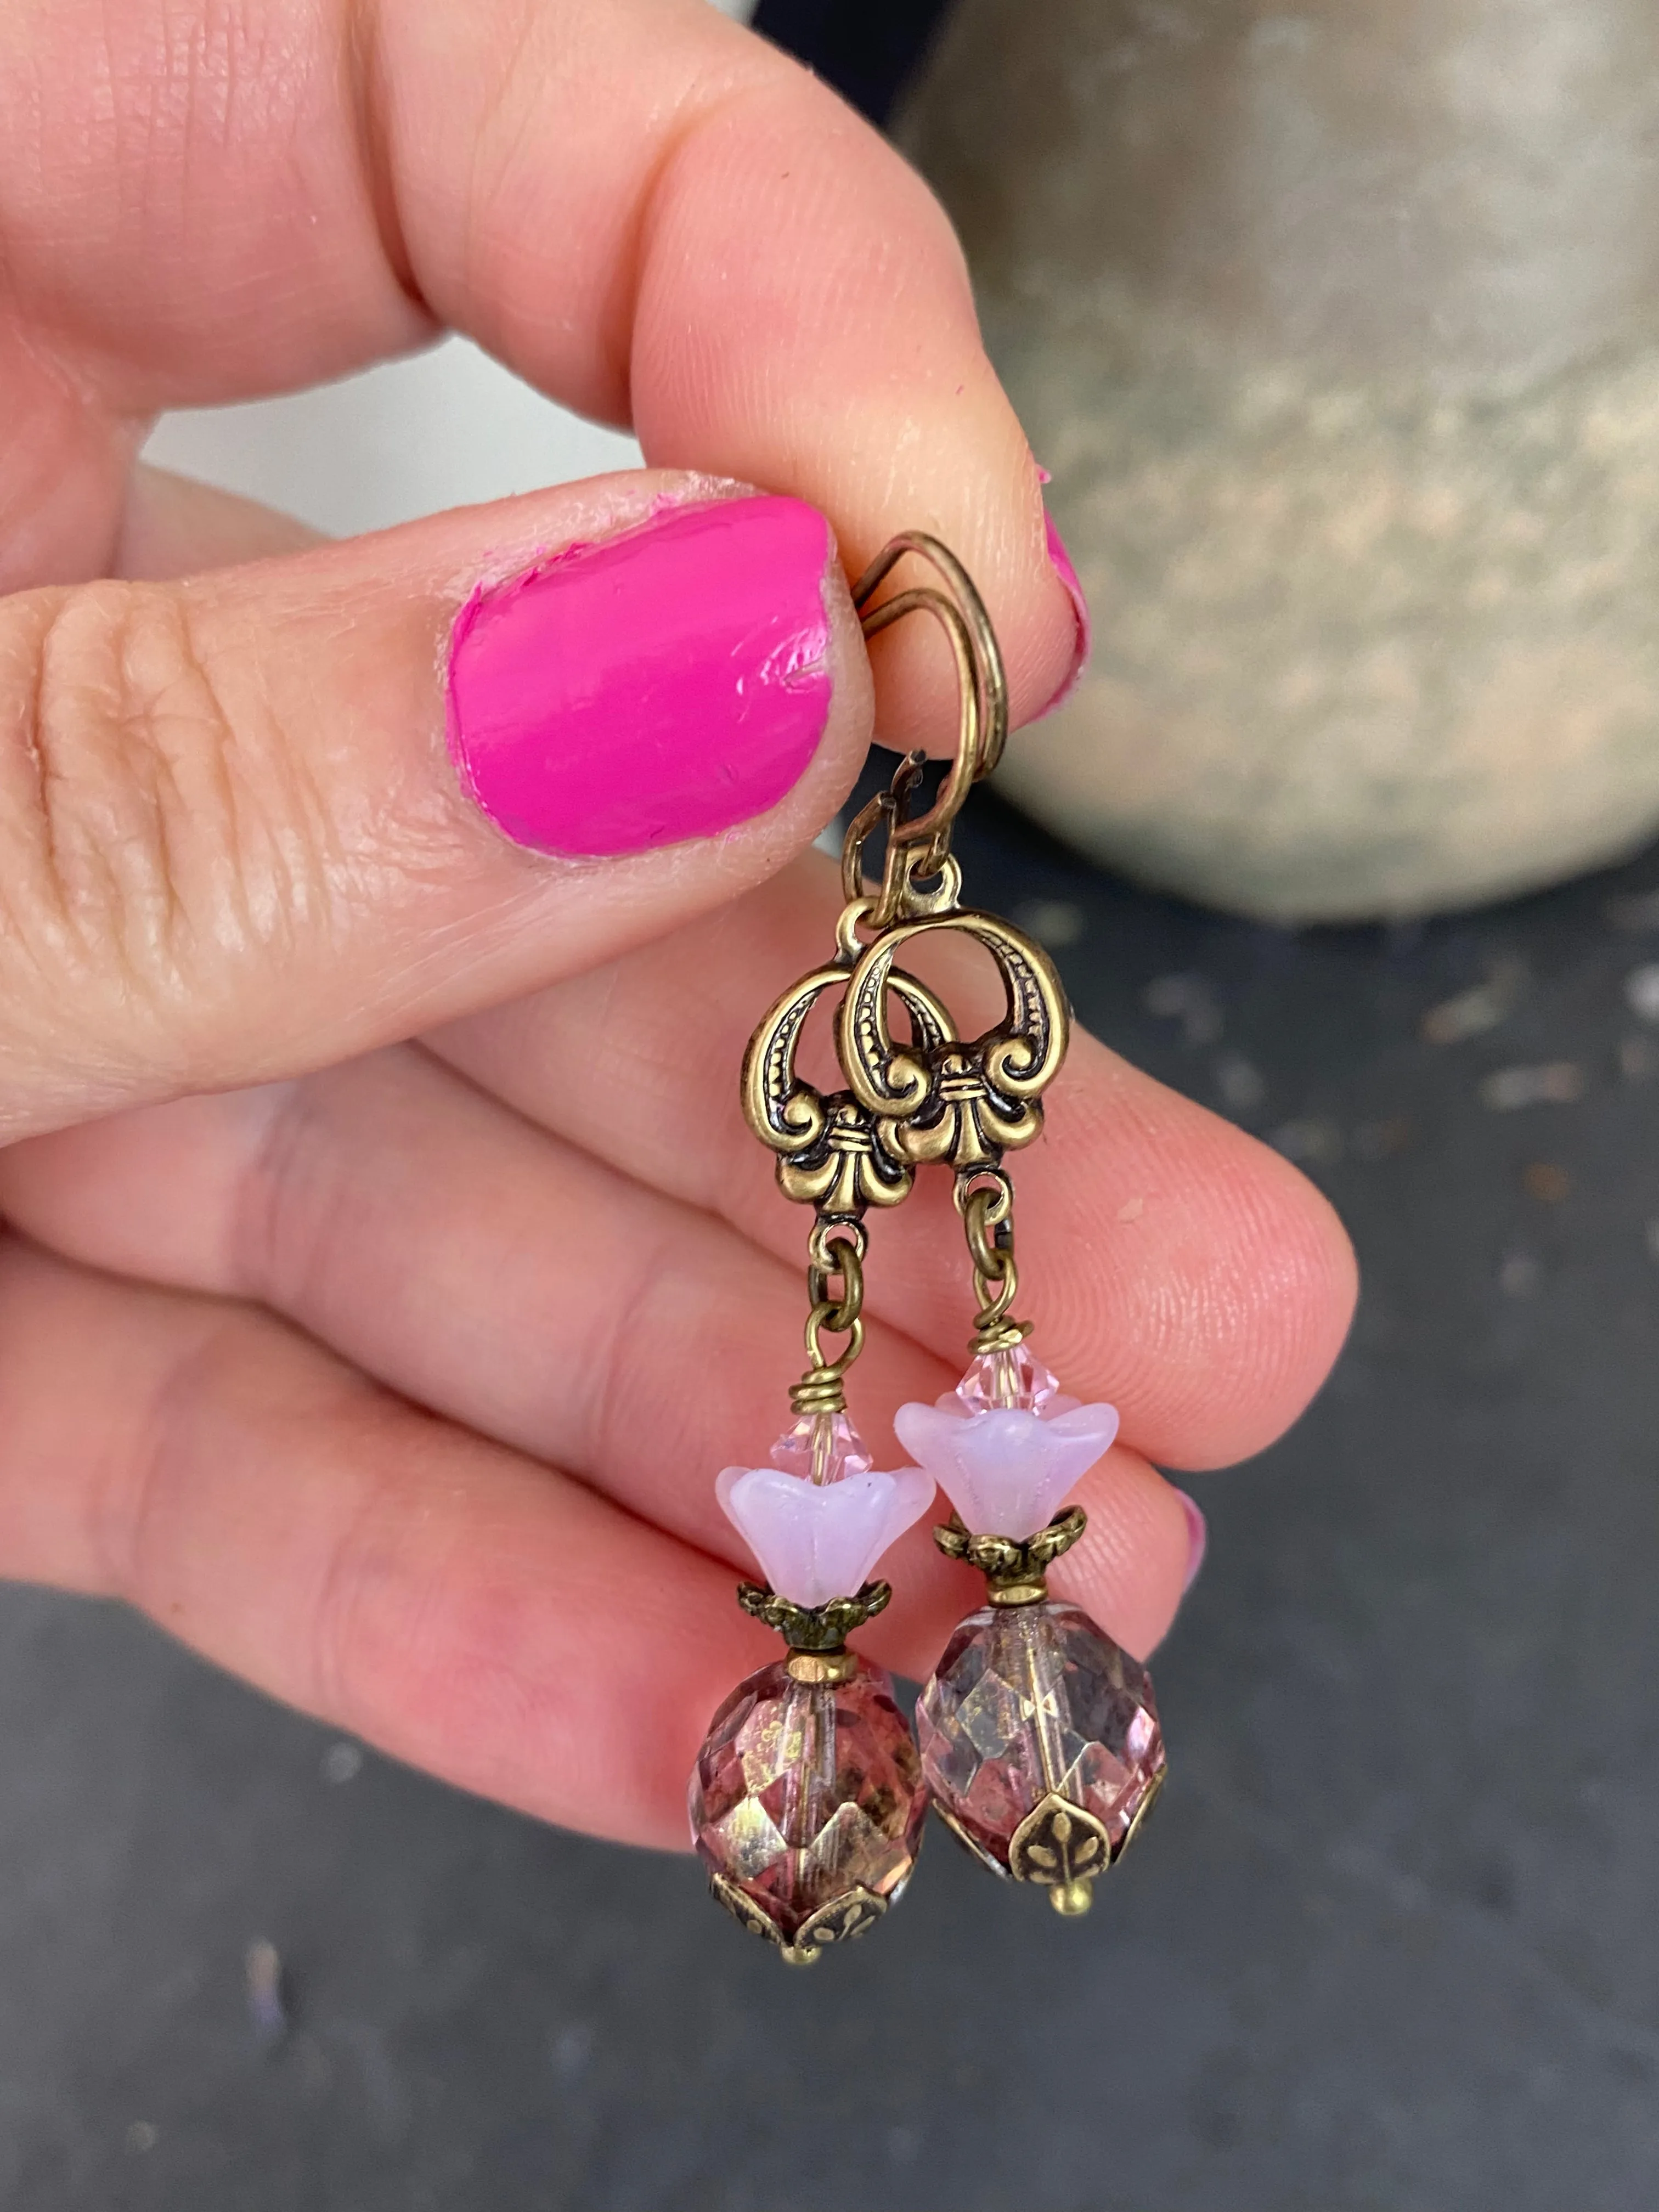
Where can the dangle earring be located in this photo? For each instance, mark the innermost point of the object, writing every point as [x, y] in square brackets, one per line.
[807, 1802]
[1039, 1737]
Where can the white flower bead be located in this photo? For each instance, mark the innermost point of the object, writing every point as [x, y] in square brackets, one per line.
[1006, 1470]
[816, 1541]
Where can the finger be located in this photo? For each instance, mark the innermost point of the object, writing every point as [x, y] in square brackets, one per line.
[645, 210]
[172, 527]
[476, 1614]
[1172, 1263]
[445, 1247]
[261, 819]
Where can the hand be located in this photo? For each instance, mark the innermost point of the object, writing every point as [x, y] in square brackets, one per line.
[395, 1374]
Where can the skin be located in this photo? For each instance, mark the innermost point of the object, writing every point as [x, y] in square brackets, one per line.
[343, 1327]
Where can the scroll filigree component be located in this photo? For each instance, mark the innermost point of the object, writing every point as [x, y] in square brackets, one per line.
[833, 1153]
[946, 1099]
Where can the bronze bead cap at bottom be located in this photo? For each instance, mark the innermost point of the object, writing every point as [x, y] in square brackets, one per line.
[838, 1922]
[1063, 1848]
[1058, 1847]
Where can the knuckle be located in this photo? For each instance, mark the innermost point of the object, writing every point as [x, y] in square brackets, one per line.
[141, 826]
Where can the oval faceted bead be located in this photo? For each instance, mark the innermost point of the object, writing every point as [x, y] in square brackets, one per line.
[1029, 1704]
[807, 1804]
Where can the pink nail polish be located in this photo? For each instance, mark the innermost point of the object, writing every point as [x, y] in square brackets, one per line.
[1198, 1539]
[666, 684]
[1068, 576]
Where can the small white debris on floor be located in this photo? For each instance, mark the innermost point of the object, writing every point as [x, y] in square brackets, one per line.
[1132, 1209]
[265, 2007]
[1189, 999]
[1241, 1083]
[1520, 1275]
[1310, 1142]
[1556, 1083]
[571, 2049]
[1053, 922]
[1483, 1007]
[342, 1761]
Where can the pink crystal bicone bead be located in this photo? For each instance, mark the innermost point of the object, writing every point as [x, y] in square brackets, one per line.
[1015, 1379]
[1004, 1445]
[820, 1517]
[821, 1447]
[806, 1794]
[1033, 1701]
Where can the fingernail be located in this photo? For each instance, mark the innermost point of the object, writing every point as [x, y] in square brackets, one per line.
[1198, 1538]
[1068, 576]
[666, 684]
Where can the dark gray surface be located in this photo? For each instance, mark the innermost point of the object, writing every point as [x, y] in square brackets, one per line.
[1389, 1946]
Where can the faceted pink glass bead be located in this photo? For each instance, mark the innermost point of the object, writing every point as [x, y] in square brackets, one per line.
[805, 1792]
[821, 1447]
[1030, 1700]
[1012, 1378]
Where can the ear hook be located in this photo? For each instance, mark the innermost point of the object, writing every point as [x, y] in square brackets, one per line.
[981, 730]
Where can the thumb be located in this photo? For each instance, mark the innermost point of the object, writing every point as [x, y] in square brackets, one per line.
[265, 819]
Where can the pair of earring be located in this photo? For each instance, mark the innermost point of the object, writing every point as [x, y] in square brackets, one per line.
[1037, 1739]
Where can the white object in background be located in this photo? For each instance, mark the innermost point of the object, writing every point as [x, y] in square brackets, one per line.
[409, 437]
